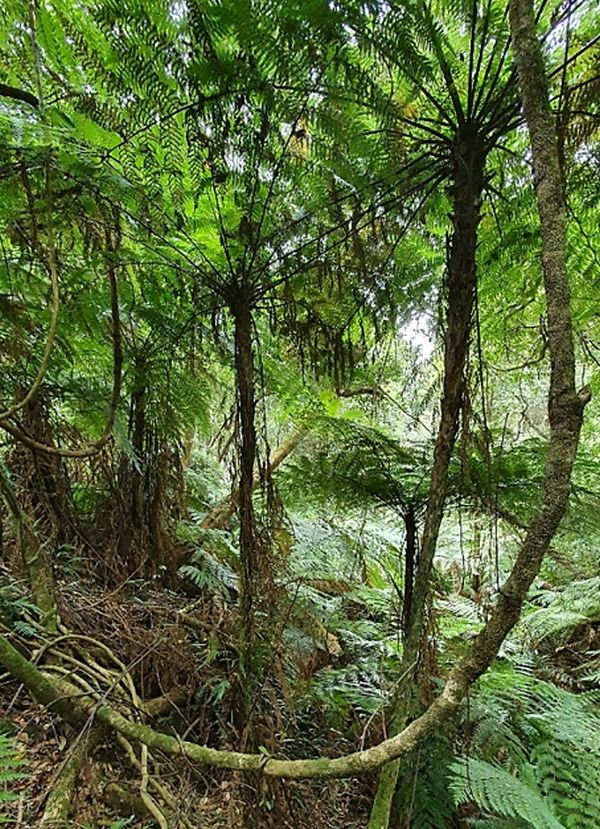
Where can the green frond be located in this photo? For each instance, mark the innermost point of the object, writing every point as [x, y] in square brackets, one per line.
[577, 604]
[10, 763]
[497, 791]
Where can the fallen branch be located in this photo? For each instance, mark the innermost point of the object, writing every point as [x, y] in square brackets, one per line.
[155, 784]
[123, 801]
[75, 707]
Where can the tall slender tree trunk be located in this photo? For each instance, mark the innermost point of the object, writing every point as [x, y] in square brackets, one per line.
[550, 196]
[565, 404]
[131, 554]
[410, 563]
[246, 406]
[468, 180]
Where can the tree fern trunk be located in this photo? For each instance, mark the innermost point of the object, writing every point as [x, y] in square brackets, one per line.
[565, 404]
[410, 562]
[246, 406]
[468, 179]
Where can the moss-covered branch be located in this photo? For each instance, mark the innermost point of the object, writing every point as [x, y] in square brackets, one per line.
[62, 697]
[58, 803]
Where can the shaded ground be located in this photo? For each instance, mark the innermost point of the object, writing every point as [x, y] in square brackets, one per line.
[164, 650]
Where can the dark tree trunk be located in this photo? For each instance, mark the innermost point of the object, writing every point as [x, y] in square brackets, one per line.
[468, 180]
[42, 481]
[146, 497]
[36, 563]
[249, 556]
[131, 541]
[410, 563]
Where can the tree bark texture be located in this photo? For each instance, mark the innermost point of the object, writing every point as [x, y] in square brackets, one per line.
[410, 563]
[249, 542]
[58, 804]
[468, 180]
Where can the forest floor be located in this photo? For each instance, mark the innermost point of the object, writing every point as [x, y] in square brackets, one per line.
[147, 632]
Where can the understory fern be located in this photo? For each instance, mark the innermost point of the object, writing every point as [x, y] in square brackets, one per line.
[497, 791]
[533, 753]
[578, 603]
[569, 776]
[209, 574]
[432, 802]
[13, 606]
[10, 763]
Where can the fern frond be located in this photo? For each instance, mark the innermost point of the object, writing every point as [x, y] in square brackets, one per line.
[10, 762]
[497, 791]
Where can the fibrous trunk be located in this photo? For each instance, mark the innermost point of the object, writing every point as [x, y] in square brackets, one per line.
[41, 481]
[145, 496]
[410, 563]
[246, 407]
[468, 179]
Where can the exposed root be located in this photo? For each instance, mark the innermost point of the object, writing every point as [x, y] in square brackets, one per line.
[63, 784]
[151, 781]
